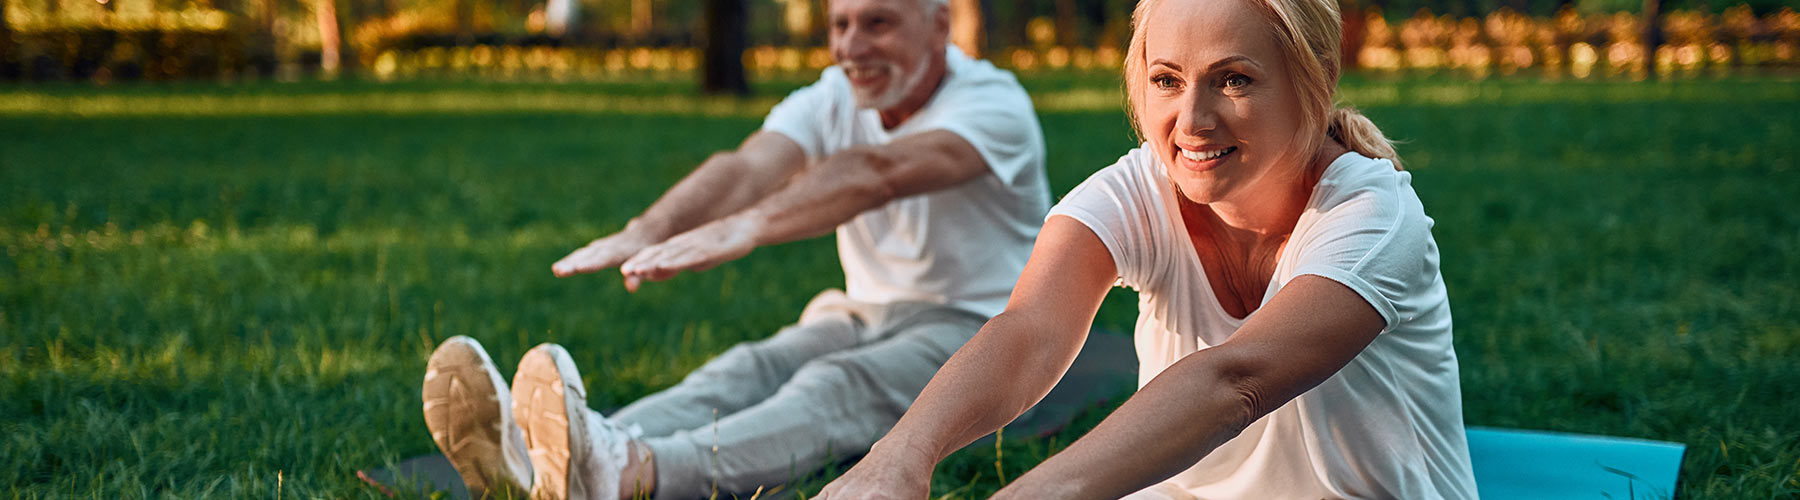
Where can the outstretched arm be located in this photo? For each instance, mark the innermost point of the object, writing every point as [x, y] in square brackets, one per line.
[1311, 329]
[1008, 366]
[816, 200]
[725, 183]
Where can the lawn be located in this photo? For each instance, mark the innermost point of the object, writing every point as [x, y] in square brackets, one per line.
[222, 291]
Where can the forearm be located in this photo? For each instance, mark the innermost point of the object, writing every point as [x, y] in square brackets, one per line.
[820, 198]
[721, 186]
[1178, 418]
[1004, 370]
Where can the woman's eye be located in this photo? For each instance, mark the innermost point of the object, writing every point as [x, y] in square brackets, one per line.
[1164, 82]
[1236, 81]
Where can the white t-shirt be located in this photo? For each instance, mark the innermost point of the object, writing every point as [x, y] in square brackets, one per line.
[1389, 424]
[963, 246]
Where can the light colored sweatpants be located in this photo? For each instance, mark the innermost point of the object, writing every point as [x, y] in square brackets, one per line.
[820, 390]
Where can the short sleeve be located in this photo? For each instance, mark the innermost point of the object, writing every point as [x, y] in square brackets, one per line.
[804, 115]
[994, 114]
[1377, 242]
[1118, 205]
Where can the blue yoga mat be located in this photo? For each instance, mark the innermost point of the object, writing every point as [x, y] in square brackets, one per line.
[1516, 464]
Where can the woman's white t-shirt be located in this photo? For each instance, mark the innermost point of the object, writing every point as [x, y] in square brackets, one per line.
[1389, 424]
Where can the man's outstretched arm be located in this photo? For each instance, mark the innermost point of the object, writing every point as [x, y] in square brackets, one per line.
[726, 183]
[816, 201]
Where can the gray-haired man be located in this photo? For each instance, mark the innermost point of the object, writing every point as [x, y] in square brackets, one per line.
[930, 167]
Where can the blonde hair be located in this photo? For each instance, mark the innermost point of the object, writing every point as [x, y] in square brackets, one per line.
[1309, 33]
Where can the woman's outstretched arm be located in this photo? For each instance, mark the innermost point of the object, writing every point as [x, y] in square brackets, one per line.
[1311, 328]
[1008, 366]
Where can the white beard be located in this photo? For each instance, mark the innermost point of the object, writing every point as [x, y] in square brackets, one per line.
[900, 85]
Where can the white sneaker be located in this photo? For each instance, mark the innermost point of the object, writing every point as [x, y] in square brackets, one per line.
[575, 455]
[469, 412]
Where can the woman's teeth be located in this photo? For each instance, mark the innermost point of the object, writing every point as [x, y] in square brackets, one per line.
[1206, 155]
[862, 73]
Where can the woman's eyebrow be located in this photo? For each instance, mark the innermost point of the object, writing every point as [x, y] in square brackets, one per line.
[1211, 67]
[1228, 60]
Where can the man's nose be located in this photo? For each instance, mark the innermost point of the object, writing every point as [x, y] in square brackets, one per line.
[853, 43]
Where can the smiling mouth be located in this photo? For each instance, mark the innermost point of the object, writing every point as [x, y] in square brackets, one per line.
[1207, 155]
[864, 74]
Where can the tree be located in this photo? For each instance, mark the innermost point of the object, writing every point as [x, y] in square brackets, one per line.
[726, 33]
[559, 17]
[1652, 34]
[9, 70]
[330, 42]
[965, 26]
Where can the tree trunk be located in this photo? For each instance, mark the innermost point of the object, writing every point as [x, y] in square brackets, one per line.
[559, 17]
[9, 67]
[965, 26]
[641, 17]
[265, 45]
[325, 12]
[1351, 47]
[726, 34]
[1067, 31]
[1652, 34]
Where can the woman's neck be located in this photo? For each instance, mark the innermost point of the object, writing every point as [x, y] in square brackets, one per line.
[1272, 213]
[1239, 242]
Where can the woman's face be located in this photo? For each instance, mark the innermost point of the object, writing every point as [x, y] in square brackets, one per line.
[1219, 108]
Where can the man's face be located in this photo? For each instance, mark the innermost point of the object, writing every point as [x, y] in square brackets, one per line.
[884, 46]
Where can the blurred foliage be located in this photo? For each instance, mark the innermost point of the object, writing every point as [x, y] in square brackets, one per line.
[104, 40]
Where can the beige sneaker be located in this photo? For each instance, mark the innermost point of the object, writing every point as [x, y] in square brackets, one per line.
[575, 455]
[469, 411]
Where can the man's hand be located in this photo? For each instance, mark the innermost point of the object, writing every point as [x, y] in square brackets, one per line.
[703, 248]
[603, 253]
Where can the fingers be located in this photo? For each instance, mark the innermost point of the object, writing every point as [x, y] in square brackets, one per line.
[600, 254]
[664, 261]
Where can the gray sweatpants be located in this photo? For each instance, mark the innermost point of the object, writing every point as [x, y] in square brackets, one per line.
[820, 390]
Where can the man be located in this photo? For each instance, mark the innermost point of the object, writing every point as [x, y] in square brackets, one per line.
[929, 165]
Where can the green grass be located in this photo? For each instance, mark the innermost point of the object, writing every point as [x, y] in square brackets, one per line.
[205, 288]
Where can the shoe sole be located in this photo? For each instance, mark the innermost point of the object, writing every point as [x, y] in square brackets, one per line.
[463, 411]
[549, 401]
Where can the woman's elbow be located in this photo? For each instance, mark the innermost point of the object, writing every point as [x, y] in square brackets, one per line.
[1244, 392]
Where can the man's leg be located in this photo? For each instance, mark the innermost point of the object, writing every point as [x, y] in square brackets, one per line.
[832, 408]
[749, 372]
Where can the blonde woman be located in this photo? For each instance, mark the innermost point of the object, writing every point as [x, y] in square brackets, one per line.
[1294, 336]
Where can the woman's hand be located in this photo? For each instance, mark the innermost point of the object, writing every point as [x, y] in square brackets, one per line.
[882, 476]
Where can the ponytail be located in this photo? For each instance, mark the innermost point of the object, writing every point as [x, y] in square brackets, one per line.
[1350, 128]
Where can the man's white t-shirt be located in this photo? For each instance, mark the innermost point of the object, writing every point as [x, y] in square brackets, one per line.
[1389, 424]
[963, 246]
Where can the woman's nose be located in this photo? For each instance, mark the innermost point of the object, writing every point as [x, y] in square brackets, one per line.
[1196, 114]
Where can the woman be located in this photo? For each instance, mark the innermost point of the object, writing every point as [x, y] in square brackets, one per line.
[1294, 333]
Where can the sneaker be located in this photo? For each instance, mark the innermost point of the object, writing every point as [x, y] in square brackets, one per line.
[469, 412]
[575, 454]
